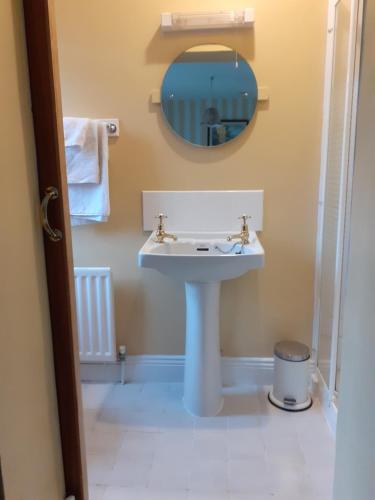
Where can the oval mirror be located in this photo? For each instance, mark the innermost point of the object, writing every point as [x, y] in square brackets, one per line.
[209, 94]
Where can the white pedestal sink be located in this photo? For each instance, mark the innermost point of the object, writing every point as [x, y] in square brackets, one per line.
[202, 261]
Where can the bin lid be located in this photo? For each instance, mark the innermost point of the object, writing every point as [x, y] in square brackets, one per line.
[292, 351]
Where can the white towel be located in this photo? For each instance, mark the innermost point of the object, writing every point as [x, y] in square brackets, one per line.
[89, 203]
[75, 130]
[81, 150]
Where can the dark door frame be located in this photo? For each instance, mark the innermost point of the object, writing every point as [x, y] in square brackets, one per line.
[47, 117]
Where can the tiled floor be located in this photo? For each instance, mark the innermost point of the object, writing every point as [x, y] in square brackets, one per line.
[142, 445]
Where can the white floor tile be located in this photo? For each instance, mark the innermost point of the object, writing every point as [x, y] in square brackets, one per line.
[312, 425]
[243, 444]
[241, 400]
[210, 424]
[138, 446]
[289, 479]
[170, 473]
[94, 396]
[124, 396]
[155, 398]
[175, 419]
[317, 451]
[251, 496]
[322, 476]
[250, 476]
[107, 441]
[295, 496]
[176, 389]
[89, 419]
[96, 492]
[117, 419]
[285, 449]
[124, 493]
[209, 475]
[211, 446]
[207, 495]
[273, 426]
[243, 422]
[306, 496]
[99, 468]
[131, 473]
[142, 444]
[174, 443]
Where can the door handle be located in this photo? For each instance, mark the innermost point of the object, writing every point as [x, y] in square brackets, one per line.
[51, 193]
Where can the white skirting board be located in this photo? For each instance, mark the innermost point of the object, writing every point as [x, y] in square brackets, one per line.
[149, 368]
[329, 408]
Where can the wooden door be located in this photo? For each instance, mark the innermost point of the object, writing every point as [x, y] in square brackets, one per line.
[47, 117]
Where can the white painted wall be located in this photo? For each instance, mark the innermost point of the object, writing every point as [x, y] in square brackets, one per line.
[355, 463]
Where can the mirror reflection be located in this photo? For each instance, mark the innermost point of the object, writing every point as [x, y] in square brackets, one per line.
[209, 95]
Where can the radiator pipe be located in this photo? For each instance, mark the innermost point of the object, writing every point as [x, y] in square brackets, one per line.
[122, 358]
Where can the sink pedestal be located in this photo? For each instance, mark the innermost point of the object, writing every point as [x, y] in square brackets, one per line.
[202, 260]
[202, 384]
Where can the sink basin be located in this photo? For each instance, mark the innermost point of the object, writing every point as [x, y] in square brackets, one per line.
[202, 257]
[202, 261]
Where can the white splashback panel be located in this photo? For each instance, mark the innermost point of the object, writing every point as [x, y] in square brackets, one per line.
[203, 210]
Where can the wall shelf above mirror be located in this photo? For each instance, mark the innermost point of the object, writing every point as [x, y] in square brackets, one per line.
[209, 95]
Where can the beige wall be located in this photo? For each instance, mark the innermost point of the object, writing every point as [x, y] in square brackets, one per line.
[355, 463]
[112, 54]
[29, 436]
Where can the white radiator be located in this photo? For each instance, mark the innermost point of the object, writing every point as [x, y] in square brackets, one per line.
[95, 314]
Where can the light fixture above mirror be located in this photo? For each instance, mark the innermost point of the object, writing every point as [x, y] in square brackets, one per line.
[179, 21]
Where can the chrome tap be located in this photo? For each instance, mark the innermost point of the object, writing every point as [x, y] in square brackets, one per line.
[244, 234]
[161, 235]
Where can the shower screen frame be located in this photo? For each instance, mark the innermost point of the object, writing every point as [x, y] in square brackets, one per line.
[356, 7]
